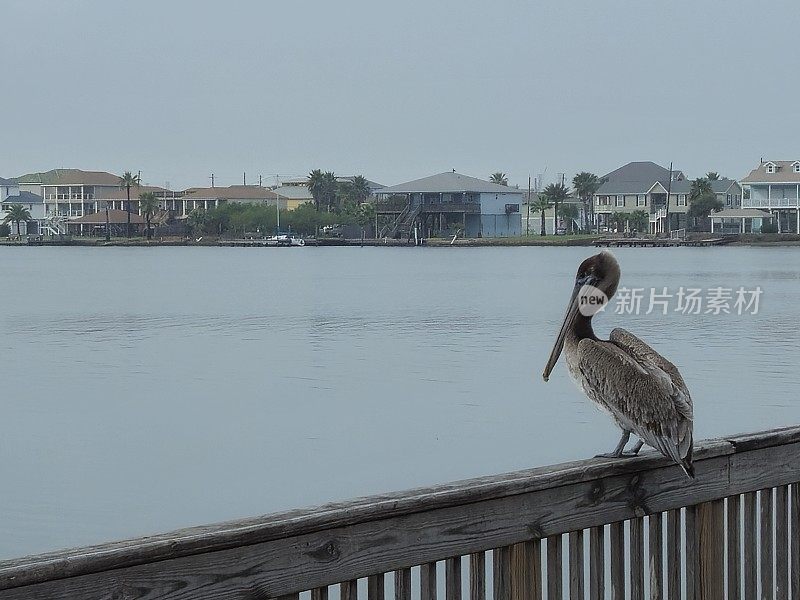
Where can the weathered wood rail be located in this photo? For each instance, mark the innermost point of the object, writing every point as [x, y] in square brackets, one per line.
[598, 528]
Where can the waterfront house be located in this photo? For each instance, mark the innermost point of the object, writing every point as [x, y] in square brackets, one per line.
[8, 187]
[70, 192]
[450, 201]
[212, 197]
[637, 186]
[774, 186]
[739, 220]
[32, 202]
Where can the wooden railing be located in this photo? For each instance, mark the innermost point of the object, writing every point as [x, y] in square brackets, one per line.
[593, 527]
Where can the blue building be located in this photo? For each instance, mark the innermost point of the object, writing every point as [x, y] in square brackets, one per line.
[774, 186]
[449, 202]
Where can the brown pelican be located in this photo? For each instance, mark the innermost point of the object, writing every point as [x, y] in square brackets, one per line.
[642, 390]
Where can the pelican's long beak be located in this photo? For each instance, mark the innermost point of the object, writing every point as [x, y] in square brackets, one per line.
[569, 319]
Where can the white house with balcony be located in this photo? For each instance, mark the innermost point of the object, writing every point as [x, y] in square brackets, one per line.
[774, 186]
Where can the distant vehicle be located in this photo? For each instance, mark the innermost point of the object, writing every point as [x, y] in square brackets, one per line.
[561, 231]
[286, 239]
[333, 231]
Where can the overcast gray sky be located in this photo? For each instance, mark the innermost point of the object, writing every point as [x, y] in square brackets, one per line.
[396, 91]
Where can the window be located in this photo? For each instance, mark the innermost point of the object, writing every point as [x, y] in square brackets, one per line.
[619, 200]
[796, 167]
[602, 200]
[728, 200]
[770, 168]
[641, 200]
[681, 199]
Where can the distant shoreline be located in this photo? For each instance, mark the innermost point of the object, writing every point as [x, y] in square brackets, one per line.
[759, 240]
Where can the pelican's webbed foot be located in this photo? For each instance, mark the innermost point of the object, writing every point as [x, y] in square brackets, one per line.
[619, 451]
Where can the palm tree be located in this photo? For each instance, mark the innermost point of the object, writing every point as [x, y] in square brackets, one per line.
[148, 205]
[126, 182]
[329, 186]
[712, 176]
[700, 187]
[556, 192]
[359, 189]
[570, 213]
[17, 214]
[499, 178]
[586, 185]
[540, 205]
[316, 186]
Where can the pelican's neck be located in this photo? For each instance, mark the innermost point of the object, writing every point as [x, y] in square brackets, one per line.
[582, 328]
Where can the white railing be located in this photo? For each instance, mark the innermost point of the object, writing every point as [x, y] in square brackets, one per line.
[659, 214]
[678, 234]
[770, 202]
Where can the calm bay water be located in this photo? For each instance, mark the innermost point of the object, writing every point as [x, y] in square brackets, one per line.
[147, 389]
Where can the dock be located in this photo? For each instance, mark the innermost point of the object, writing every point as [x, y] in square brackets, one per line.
[539, 533]
[659, 242]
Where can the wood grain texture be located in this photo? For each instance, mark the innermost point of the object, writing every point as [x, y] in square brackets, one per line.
[767, 563]
[348, 590]
[795, 541]
[501, 573]
[319, 593]
[477, 576]
[597, 564]
[710, 524]
[402, 584]
[782, 543]
[655, 544]
[555, 574]
[734, 547]
[302, 550]
[750, 548]
[375, 587]
[637, 557]
[427, 581]
[692, 554]
[526, 574]
[452, 578]
[576, 583]
[617, 531]
[674, 555]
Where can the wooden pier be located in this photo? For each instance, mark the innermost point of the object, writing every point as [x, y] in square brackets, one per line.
[592, 526]
[659, 242]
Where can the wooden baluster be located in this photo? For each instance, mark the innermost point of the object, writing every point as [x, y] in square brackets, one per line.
[655, 543]
[502, 573]
[427, 581]
[597, 568]
[782, 543]
[710, 536]
[618, 560]
[637, 557]
[402, 584]
[555, 583]
[674, 554]
[750, 552]
[348, 590]
[766, 505]
[477, 576]
[320, 593]
[526, 571]
[692, 553]
[452, 578]
[375, 585]
[795, 541]
[576, 587]
[733, 516]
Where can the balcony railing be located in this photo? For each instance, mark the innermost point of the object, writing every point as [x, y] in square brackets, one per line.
[770, 203]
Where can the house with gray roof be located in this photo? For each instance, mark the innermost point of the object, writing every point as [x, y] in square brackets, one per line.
[450, 201]
[774, 185]
[30, 201]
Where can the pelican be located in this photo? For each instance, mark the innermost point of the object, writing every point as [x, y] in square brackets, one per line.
[641, 390]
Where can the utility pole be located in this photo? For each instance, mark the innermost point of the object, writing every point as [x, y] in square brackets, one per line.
[259, 181]
[528, 220]
[244, 178]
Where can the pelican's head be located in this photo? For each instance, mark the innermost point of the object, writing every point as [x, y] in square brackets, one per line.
[601, 272]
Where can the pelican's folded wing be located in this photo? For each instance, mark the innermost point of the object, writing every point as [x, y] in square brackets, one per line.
[640, 393]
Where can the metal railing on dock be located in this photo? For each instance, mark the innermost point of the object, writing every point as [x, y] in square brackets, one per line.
[589, 528]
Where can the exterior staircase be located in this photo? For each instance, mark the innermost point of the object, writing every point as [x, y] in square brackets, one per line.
[404, 223]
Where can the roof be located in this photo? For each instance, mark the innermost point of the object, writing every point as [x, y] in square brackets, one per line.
[637, 178]
[24, 198]
[718, 186]
[448, 181]
[115, 217]
[70, 177]
[8, 182]
[233, 192]
[783, 173]
[119, 193]
[739, 213]
[294, 192]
